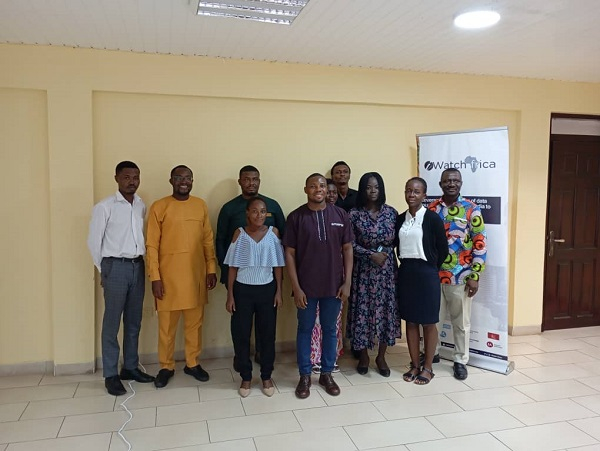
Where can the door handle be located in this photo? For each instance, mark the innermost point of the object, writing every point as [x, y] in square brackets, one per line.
[551, 241]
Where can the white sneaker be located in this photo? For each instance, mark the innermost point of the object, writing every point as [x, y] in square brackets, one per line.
[316, 369]
[336, 368]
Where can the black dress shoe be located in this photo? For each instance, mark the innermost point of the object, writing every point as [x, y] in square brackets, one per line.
[114, 386]
[362, 369]
[460, 371]
[436, 358]
[137, 375]
[196, 372]
[162, 378]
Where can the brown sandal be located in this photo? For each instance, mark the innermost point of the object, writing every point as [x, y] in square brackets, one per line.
[409, 376]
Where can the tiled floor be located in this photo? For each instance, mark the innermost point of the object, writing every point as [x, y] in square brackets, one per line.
[550, 402]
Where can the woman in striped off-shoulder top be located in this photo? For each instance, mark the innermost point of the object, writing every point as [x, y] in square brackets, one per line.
[255, 259]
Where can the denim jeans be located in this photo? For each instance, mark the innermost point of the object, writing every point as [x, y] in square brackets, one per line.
[329, 308]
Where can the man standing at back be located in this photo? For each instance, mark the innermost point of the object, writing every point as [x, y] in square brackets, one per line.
[233, 216]
[340, 174]
[182, 268]
[460, 272]
[116, 242]
[318, 256]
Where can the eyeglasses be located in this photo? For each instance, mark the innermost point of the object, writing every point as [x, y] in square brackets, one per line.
[182, 178]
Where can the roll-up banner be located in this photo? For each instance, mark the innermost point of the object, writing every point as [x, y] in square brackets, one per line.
[482, 157]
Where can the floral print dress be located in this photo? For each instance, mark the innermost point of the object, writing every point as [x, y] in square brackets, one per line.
[373, 310]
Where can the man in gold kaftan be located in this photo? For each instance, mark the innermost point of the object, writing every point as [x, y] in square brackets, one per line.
[182, 267]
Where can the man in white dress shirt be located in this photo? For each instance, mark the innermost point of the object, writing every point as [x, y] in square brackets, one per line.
[116, 242]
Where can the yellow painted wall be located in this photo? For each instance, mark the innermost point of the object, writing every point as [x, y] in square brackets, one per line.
[218, 115]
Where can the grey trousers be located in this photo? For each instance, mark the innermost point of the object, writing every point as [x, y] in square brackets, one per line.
[124, 285]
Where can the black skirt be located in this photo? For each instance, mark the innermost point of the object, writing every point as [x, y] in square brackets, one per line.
[418, 291]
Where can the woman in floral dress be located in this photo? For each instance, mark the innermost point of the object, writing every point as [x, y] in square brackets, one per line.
[372, 311]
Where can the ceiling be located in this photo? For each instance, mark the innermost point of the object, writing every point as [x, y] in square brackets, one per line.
[547, 39]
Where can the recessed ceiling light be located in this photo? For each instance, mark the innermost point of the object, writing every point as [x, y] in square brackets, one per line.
[476, 19]
[271, 11]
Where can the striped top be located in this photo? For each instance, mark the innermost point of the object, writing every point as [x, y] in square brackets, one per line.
[255, 261]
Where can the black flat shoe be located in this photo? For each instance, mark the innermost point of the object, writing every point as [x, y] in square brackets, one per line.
[114, 386]
[384, 371]
[196, 372]
[136, 375]
[460, 371]
[362, 370]
[162, 378]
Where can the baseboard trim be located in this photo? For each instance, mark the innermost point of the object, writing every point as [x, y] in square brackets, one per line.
[524, 330]
[18, 369]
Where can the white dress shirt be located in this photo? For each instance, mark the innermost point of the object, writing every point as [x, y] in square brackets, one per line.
[411, 236]
[116, 228]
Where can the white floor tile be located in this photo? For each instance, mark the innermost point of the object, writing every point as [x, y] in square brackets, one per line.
[163, 437]
[390, 433]
[98, 442]
[586, 448]
[593, 367]
[490, 397]
[373, 377]
[331, 440]
[474, 422]
[13, 395]
[335, 416]
[561, 358]
[496, 380]
[546, 391]
[556, 373]
[48, 379]
[580, 332]
[436, 386]
[246, 444]
[590, 426]
[222, 391]
[25, 430]
[24, 380]
[191, 413]
[552, 436]
[163, 397]
[549, 412]
[485, 442]
[97, 423]
[589, 402]
[71, 406]
[593, 382]
[252, 426]
[362, 393]
[594, 341]
[11, 412]
[416, 407]
[522, 362]
[281, 402]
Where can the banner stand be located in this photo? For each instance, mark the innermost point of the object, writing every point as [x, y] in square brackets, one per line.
[482, 157]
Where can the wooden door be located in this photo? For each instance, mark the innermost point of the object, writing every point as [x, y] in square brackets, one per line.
[572, 269]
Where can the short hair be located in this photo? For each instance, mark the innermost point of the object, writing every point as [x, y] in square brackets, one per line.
[314, 174]
[418, 179]
[248, 168]
[181, 166]
[125, 165]
[361, 199]
[330, 182]
[450, 170]
[250, 201]
[340, 163]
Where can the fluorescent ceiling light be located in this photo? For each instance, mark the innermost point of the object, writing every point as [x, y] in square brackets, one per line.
[476, 19]
[271, 11]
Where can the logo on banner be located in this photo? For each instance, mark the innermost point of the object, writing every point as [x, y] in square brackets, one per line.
[468, 163]
[493, 336]
[490, 344]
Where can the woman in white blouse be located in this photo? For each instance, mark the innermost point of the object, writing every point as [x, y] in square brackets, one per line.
[422, 247]
[255, 259]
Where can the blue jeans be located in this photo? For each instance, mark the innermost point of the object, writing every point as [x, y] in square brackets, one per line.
[329, 309]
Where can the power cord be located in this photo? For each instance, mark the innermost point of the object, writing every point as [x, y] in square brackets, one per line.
[120, 431]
